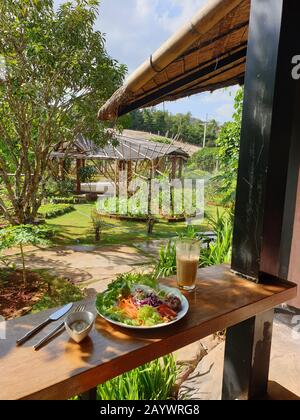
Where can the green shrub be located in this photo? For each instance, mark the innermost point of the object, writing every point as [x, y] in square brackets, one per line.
[67, 200]
[61, 188]
[49, 211]
[152, 381]
[87, 173]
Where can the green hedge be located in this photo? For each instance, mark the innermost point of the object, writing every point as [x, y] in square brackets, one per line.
[49, 211]
[68, 200]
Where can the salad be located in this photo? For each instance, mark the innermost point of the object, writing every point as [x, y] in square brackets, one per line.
[137, 300]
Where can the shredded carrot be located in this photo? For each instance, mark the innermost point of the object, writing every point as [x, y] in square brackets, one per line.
[128, 307]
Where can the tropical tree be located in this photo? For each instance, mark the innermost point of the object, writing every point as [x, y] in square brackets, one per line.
[21, 236]
[55, 74]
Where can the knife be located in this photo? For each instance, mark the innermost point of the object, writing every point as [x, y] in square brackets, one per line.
[54, 317]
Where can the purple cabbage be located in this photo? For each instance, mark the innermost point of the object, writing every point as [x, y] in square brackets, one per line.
[150, 300]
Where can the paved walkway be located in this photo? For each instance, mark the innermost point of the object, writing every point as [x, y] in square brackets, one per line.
[88, 266]
[205, 381]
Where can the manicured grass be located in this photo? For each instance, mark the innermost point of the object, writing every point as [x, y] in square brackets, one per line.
[76, 228]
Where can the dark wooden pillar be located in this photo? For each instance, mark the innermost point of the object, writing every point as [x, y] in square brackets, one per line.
[294, 268]
[267, 183]
[247, 358]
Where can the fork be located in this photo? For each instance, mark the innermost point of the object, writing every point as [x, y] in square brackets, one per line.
[60, 326]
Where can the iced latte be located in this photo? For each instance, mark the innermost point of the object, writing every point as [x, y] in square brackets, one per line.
[188, 253]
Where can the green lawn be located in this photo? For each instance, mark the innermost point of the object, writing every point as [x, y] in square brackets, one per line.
[76, 227]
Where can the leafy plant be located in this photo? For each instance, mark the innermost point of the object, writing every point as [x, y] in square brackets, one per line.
[23, 235]
[190, 233]
[167, 260]
[98, 224]
[153, 381]
[219, 251]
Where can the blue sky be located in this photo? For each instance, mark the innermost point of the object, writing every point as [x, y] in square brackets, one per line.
[136, 28]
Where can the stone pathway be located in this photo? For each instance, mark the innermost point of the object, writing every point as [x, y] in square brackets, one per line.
[87, 266]
[151, 247]
[205, 381]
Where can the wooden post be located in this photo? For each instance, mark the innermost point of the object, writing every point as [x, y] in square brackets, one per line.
[180, 168]
[150, 218]
[78, 183]
[156, 166]
[172, 191]
[129, 177]
[267, 183]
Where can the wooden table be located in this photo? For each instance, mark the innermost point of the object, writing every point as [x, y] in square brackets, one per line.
[63, 369]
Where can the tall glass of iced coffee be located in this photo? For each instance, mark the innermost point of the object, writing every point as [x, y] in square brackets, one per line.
[188, 253]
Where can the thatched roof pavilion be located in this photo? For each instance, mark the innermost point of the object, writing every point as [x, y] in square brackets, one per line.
[135, 156]
[121, 148]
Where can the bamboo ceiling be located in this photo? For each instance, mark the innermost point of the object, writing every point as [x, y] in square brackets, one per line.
[206, 54]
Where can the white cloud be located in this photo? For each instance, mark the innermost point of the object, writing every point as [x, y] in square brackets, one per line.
[136, 28]
[225, 111]
[222, 95]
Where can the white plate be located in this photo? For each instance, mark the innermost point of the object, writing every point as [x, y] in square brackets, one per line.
[181, 314]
